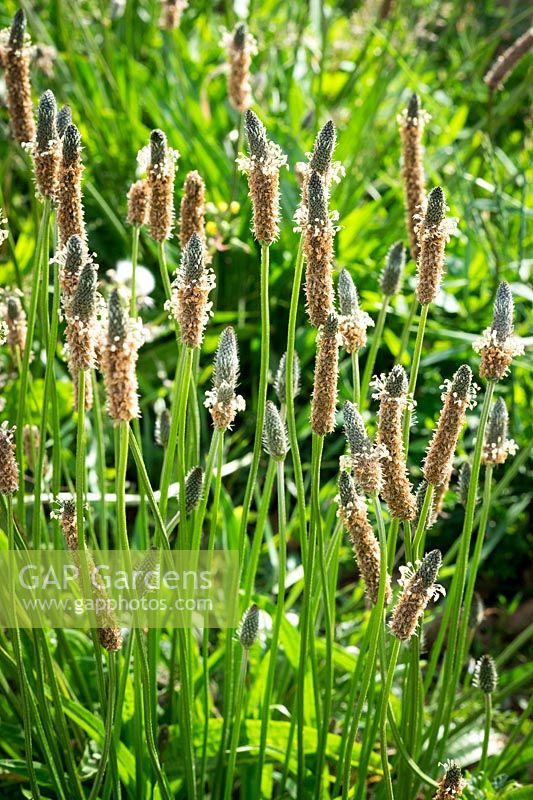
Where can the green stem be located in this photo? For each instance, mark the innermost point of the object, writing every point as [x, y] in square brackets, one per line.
[289, 397]
[259, 530]
[372, 353]
[356, 380]
[422, 520]
[101, 462]
[407, 328]
[108, 734]
[134, 258]
[486, 736]
[272, 665]
[170, 449]
[413, 375]
[121, 467]
[80, 461]
[236, 729]
[182, 418]
[164, 269]
[24, 374]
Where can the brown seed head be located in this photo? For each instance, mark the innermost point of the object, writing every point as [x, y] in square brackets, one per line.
[459, 395]
[324, 398]
[396, 489]
[318, 250]
[353, 513]
[451, 784]
[171, 13]
[222, 401]
[365, 457]
[412, 123]
[241, 47]
[433, 235]
[161, 174]
[506, 62]
[192, 209]
[46, 153]
[17, 327]
[138, 203]
[70, 219]
[418, 589]
[16, 62]
[189, 303]
[9, 473]
[119, 360]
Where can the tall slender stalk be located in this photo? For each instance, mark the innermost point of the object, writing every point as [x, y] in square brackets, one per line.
[372, 353]
[355, 378]
[236, 729]
[134, 258]
[413, 375]
[407, 328]
[80, 461]
[486, 732]
[182, 418]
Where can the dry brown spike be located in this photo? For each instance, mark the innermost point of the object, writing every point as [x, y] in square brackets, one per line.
[70, 218]
[506, 62]
[138, 203]
[17, 327]
[412, 122]
[46, 150]
[16, 61]
[241, 46]
[119, 360]
[419, 588]
[318, 250]
[161, 172]
[9, 471]
[433, 233]
[324, 399]
[192, 209]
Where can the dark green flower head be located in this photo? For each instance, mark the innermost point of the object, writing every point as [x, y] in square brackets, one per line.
[347, 491]
[436, 207]
[396, 382]
[413, 107]
[486, 674]
[452, 781]
[323, 150]
[498, 424]
[502, 320]
[249, 627]
[281, 377]
[256, 136]
[464, 482]
[46, 120]
[194, 484]
[117, 318]
[274, 434]
[18, 29]
[317, 211]
[162, 427]
[74, 254]
[158, 147]
[392, 272]
[193, 259]
[429, 568]
[239, 36]
[71, 143]
[461, 382]
[84, 300]
[226, 365]
[13, 308]
[347, 293]
[64, 119]
[355, 430]
[331, 325]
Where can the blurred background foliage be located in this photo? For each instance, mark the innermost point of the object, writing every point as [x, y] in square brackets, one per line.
[124, 76]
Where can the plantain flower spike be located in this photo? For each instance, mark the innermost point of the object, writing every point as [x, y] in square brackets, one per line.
[396, 488]
[391, 276]
[319, 160]
[365, 457]
[419, 588]
[163, 421]
[433, 231]
[497, 345]
[274, 433]
[248, 629]
[262, 167]
[82, 329]
[171, 13]
[189, 304]
[458, 396]
[451, 784]
[138, 203]
[9, 471]
[15, 58]
[241, 46]
[354, 516]
[486, 674]
[70, 217]
[119, 361]
[497, 446]
[353, 322]
[280, 381]
[194, 486]
[63, 120]
[161, 164]
[324, 399]
[507, 61]
[464, 482]
[412, 122]
[192, 209]
[46, 151]
[17, 327]
[318, 234]
[222, 401]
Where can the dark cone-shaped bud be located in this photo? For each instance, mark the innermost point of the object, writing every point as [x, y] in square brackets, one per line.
[74, 255]
[451, 784]
[502, 319]
[117, 318]
[347, 293]
[413, 107]
[239, 36]
[280, 381]
[462, 381]
[158, 147]
[317, 201]
[84, 299]
[162, 427]
[396, 381]
[64, 119]
[13, 308]
[249, 627]
[429, 568]
[194, 484]
[71, 143]
[436, 207]
[498, 424]
[393, 270]
[355, 430]
[464, 482]
[17, 31]
[193, 258]
[46, 120]
[226, 365]
[323, 150]
[347, 492]
[486, 674]
[274, 434]
[331, 325]
[256, 135]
